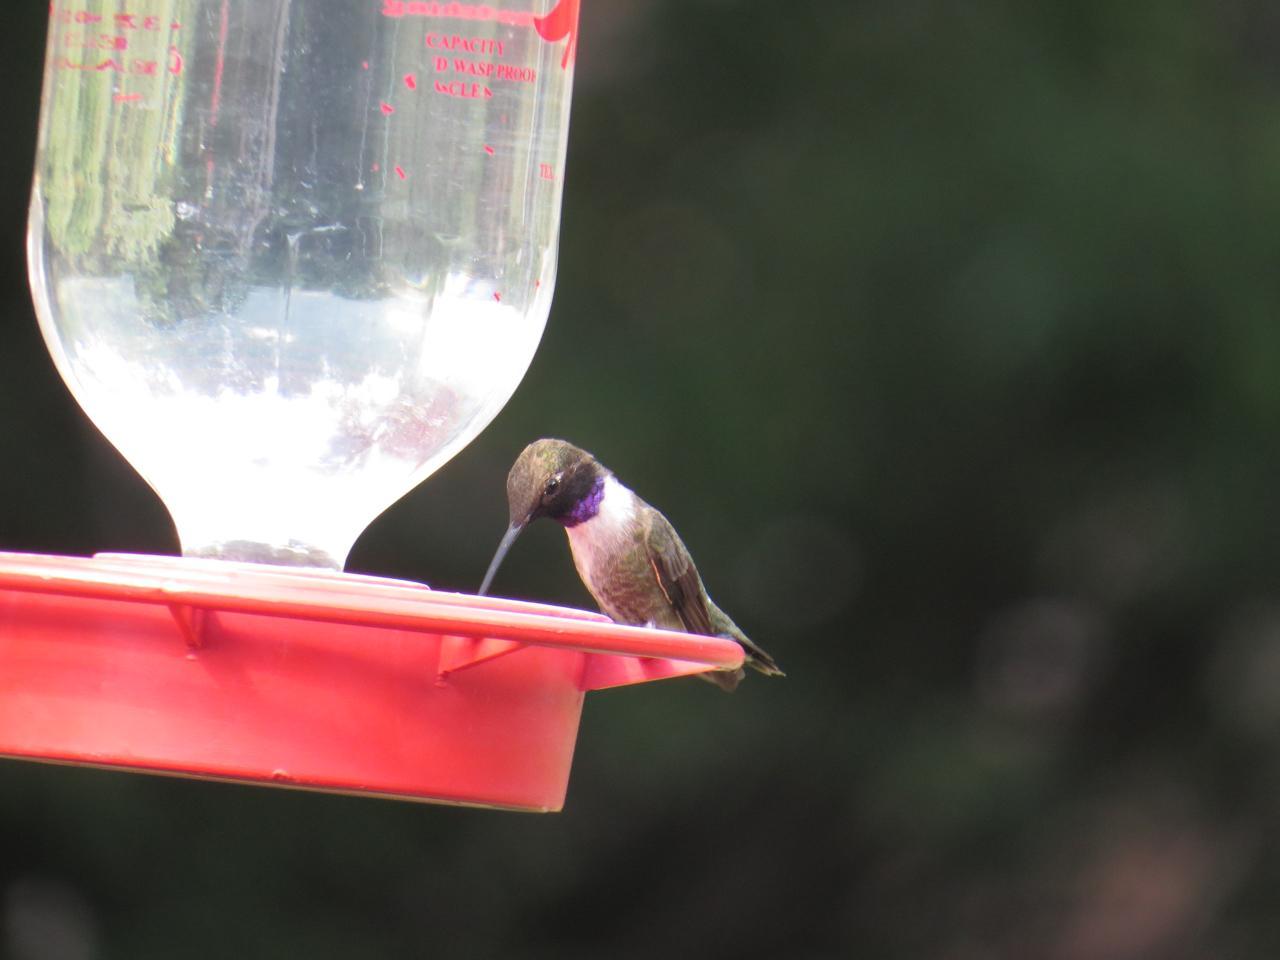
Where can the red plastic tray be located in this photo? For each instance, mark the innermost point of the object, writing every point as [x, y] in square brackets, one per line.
[309, 679]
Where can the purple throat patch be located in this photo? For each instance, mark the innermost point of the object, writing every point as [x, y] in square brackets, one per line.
[587, 507]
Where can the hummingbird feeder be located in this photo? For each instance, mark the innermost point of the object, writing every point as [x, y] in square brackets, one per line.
[290, 256]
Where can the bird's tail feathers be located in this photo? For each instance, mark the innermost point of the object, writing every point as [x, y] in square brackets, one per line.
[757, 658]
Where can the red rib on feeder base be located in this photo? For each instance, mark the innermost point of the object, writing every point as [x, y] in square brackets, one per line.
[309, 679]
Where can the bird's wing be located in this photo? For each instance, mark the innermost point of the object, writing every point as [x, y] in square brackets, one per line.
[676, 575]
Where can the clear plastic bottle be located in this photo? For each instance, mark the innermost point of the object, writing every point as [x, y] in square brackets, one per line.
[292, 255]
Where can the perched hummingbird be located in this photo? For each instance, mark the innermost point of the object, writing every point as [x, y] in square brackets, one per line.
[627, 553]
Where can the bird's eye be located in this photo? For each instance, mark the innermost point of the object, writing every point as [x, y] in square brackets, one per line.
[552, 486]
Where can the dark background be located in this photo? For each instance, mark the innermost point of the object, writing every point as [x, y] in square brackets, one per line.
[946, 333]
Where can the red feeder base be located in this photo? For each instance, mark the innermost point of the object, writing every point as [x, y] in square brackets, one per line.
[309, 679]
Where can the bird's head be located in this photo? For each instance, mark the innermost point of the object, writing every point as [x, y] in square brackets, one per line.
[550, 478]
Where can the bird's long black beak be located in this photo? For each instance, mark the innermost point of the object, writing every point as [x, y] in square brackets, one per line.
[508, 539]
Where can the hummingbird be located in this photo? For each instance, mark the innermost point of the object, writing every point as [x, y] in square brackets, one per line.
[627, 553]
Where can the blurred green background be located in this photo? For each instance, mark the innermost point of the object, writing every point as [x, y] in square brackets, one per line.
[947, 335]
